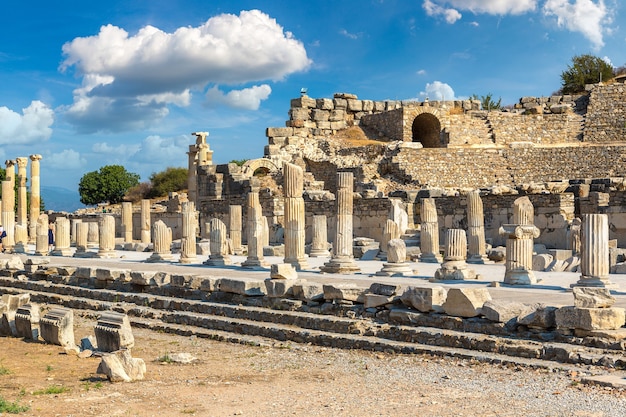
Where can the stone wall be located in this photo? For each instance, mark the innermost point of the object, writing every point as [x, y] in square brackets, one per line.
[606, 114]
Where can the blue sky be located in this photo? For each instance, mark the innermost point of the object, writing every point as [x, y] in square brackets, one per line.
[88, 84]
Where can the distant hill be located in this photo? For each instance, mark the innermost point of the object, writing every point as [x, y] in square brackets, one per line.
[61, 199]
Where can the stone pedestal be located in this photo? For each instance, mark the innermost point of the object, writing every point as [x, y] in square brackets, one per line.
[390, 231]
[127, 221]
[21, 238]
[219, 244]
[429, 232]
[234, 228]
[145, 221]
[454, 266]
[594, 257]
[396, 264]
[319, 244]
[519, 253]
[41, 241]
[61, 237]
[35, 197]
[294, 216]
[106, 225]
[162, 238]
[477, 247]
[188, 241]
[254, 230]
[342, 261]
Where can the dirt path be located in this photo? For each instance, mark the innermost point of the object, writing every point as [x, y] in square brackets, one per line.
[295, 380]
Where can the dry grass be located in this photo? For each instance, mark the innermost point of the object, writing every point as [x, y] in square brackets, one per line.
[355, 137]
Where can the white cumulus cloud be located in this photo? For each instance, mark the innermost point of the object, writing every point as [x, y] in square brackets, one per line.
[449, 9]
[247, 98]
[68, 159]
[437, 91]
[583, 16]
[434, 9]
[130, 79]
[32, 126]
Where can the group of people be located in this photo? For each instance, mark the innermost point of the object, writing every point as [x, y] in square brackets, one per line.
[3, 234]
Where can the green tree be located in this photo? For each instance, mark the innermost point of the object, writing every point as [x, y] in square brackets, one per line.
[109, 184]
[487, 102]
[3, 176]
[584, 69]
[170, 180]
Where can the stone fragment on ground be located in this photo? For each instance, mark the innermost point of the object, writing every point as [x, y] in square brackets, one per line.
[120, 366]
[571, 317]
[465, 302]
[502, 311]
[593, 297]
[425, 299]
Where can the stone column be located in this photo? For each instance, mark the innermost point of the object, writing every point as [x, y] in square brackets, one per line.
[162, 239]
[342, 261]
[234, 228]
[82, 232]
[106, 225]
[594, 257]
[574, 241]
[319, 244]
[35, 196]
[519, 244]
[188, 241]
[294, 216]
[254, 230]
[145, 221]
[429, 233]
[22, 208]
[61, 237]
[8, 215]
[192, 175]
[219, 244]
[477, 248]
[74, 227]
[21, 238]
[391, 231]
[265, 232]
[396, 265]
[93, 235]
[454, 266]
[127, 221]
[41, 241]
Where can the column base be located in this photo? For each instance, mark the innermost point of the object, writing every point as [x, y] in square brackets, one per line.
[61, 252]
[401, 269]
[84, 254]
[431, 258]
[189, 260]
[255, 264]
[218, 261]
[319, 253]
[299, 264]
[454, 271]
[160, 257]
[19, 248]
[340, 266]
[479, 260]
[588, 281]
[107, 254]
[520, 277]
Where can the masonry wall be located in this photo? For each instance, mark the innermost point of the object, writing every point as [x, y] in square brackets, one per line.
[606, 114]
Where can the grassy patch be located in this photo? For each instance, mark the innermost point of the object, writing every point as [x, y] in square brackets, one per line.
[4, 371]
[54, 389]
[88, 385]
[12, 407]
[165, 358]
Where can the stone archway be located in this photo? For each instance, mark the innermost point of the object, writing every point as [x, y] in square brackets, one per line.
[426, 130]
[258, 165]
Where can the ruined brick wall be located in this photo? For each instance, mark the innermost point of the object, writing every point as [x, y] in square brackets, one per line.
[541, 129]
[606, 114]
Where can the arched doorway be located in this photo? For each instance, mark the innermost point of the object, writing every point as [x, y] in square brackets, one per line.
[427, 130]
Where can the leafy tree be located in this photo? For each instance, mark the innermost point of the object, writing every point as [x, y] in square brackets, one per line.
[584, 69]
[170, 180]
[109, 184]
[138, 192]
[487, 102]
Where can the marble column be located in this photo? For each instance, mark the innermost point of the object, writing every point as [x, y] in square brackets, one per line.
[234, 228]
[319, 244]
[74, 229]
[127, 221]
[574, 238]
[82, 232]
[295, 228]
[22, 208]
[429, 232]
[219, 244]
[477, 247]
[8, 215]
[106, 226]
[192, 175]
[188, 241]
[265, 230]
[41, 240]
[162, 239]
[61, 237]
[342, 261]
[93, 235]
[454, 266]
[519, 244]
[254, 231]
[145, 221]
[391, 231]
[35, 196]
[396, 265]
[21, 238]
[594, 257]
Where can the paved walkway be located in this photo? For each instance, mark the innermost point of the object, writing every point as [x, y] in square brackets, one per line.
[554, 288]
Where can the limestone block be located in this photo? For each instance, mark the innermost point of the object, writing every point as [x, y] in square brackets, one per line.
[208, 283]
[425, 299]
[27, 322]
[593, 297]
[300, 113]
[112, 274]
[537, 316]
[337, 116]
[320, 115]
[303, 101]
[308, 291]
[160, 279]
[376, 300]
[324, 103]
[279, 131]
[385, 289]
[57, 327]
[340, 103]
[502, 311]
[189, 281]
[242, 287]
[561, 254]
[283, 271]
[619, 268]
[113, 332]
[141, 277]
[277, 288]
[14, 301]
[368, 105]
[347, 292]
[465, 302]
[542, 261]
[120, 366]
[571, 317]
[497, 254]
[15, 263]
[85, 272]
[66, 271]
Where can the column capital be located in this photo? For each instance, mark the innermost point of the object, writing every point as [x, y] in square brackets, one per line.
[21, 162]
[200, 137]
[9, 162]
[35, 157]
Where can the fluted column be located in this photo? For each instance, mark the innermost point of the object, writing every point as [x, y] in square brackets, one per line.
[73, 229]
[519, 244]
[21, 238]
[41, 240]
[477, 247]
[22, 208]
[594, 257]
[35, 196]
[523, 211]
[391, 231]
[234, 228]
[61, 237]
[93, 235]
[145, 221]
[429, 232]
[265, 230]
[575, 241]
[294, 216]
[319, 231]
[188, 241]
[106, 225]
[343, 260]
[127, 221]
[82, 232]
[192, 176]
[162, 239]
[8, 215]
[219, 245]
[254, 231]
[454, 266]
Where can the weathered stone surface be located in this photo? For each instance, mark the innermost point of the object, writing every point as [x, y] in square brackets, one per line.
[344, 291]
[502, 311]
[283, 271]
[141, 277]
[113, 332]
[466, 302]
[593, 297]
[120, 366]
[189, 281]
[537, 316]
[14, 263]
[27, 321]
[497, 254]
[276, 288]
[208, 283]
[57, 327]
[376, 300]
[425, 299]
[571, 317]
[84, 272]
[542, 261]
[242, 287]
[112, 274]
[385, 289]
[308, 291]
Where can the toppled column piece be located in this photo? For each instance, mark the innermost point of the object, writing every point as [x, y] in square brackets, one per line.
[57, 327]
[113, 332]
[454, 266]
[396, 264]
[519, 244]
[27, 322]
[319, 244]
[9, 304]
[120, 366]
